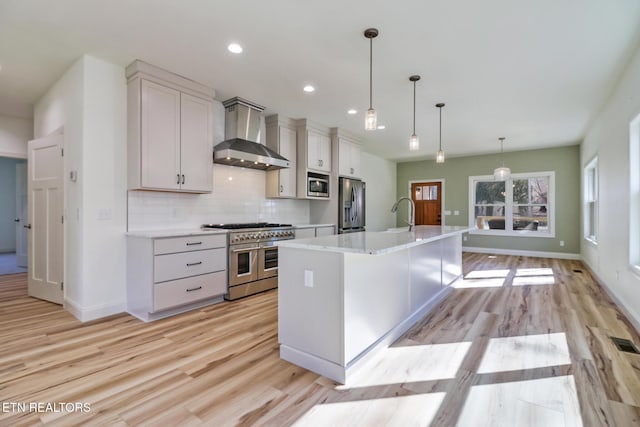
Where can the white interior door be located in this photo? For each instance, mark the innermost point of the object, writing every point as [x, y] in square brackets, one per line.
[45, 227]
[21, 215]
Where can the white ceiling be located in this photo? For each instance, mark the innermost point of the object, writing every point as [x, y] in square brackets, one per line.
[536, 72]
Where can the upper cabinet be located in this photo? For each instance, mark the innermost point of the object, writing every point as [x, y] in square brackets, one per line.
[348, 149]
[281, 137]
[170, 131]
[314, 144]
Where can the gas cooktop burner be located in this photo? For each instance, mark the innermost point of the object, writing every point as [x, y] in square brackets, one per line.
[241, 226]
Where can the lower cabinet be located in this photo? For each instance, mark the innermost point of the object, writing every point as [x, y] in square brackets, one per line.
[308, 231]
[170, 275]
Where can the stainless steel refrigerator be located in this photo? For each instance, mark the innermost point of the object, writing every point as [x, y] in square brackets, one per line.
[351, 204]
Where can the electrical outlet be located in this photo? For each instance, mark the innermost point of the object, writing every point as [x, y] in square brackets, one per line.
[561, 242]
[456, 212]
[308, 278]
[464, 238]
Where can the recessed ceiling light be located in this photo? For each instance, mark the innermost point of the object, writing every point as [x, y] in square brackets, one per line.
[381, 127]
[309, 88]
[234, 48]
[352, 111]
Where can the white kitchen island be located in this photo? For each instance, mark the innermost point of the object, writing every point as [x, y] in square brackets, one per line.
[341, 297]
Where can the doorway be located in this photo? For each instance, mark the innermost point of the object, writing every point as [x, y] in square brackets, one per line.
[13, 194]
[427, 196]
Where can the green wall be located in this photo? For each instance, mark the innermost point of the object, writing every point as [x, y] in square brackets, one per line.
[455, 172]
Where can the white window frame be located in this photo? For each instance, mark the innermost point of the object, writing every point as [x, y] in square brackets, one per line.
[551, 203]
[634, 195]
[590, 197]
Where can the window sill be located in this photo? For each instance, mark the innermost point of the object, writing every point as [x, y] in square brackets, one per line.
[504, 233]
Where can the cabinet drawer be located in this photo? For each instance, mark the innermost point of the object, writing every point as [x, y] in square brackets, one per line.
[185, 264]
[190, 289]
[188, 243]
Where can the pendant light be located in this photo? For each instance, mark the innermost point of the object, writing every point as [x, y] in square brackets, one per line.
[502, 173]
[414, 141]
[371, 119]
[440, 153]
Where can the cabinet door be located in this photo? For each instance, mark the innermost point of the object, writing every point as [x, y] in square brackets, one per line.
[348, 159]
[160, 136]
[354, 158]
[325, 231]
[318, 152]
[196, 143]
[287, 149]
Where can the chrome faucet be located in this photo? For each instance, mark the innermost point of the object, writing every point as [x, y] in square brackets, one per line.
[412, 212]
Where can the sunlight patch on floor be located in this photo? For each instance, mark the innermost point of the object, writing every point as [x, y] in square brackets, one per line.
[540, 402]
[534, 276]
[401, 411]
[525, 352]
[483, 279]
[398, 365]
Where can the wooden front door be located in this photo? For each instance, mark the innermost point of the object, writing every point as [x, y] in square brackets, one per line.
[427, 197]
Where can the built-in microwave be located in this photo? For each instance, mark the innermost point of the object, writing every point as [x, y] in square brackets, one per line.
[317, 185]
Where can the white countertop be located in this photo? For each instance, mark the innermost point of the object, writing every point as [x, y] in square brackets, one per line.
[157, 234]
[375, 242]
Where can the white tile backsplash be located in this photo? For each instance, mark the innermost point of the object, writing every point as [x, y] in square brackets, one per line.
[238, 196]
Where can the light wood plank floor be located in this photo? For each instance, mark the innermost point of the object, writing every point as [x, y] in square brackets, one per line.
[520, 341]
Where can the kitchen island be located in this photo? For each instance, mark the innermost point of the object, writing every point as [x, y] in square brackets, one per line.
[341, 297]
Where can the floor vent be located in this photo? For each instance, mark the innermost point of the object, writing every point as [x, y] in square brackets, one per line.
[625, 345]
[576, 270]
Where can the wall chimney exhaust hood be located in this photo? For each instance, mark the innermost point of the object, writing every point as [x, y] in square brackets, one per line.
[242, 133]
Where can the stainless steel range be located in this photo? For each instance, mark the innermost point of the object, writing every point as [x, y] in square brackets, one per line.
[253, 257]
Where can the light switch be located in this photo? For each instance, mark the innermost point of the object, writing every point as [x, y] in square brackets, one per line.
[447, 212]
[308, 278]
[456, 212]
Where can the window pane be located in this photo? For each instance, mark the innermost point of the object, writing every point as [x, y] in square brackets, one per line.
[490, 192]
[521, 191]
[528, 217]
[539, 190]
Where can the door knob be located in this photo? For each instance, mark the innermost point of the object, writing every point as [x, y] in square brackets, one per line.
[27, 226]
[16, 220]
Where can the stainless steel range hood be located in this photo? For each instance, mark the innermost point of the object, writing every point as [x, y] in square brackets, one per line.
[242, 133]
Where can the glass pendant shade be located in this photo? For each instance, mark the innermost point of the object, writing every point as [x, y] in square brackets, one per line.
[502, 173]
[414, 142]
[371, 120]
[440, 156]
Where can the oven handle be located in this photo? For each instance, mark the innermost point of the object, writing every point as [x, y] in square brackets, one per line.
[254, 248]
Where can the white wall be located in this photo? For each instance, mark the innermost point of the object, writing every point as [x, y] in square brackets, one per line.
[89, 103]
[608, 138]
[380, 176]
[14, 135]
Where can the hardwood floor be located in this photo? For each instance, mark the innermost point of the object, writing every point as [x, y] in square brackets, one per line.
[520, 341]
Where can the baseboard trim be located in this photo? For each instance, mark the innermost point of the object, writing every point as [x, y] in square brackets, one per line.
[535, 254]
[635, 322]
[87, 314]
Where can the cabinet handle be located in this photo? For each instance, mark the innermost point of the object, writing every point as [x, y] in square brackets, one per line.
[28, 226]
[194, 263]
[194, 289]
[193, 243]
[16, 220]
[183, 178]
[282, 189]
[178, 181]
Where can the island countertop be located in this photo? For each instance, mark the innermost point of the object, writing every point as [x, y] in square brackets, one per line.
[376, 242]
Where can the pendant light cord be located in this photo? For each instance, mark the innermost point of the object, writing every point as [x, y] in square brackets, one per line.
[370, 73]
[440, 129]
[414, 107]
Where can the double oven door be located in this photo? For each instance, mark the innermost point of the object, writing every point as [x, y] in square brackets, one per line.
[249, 262]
